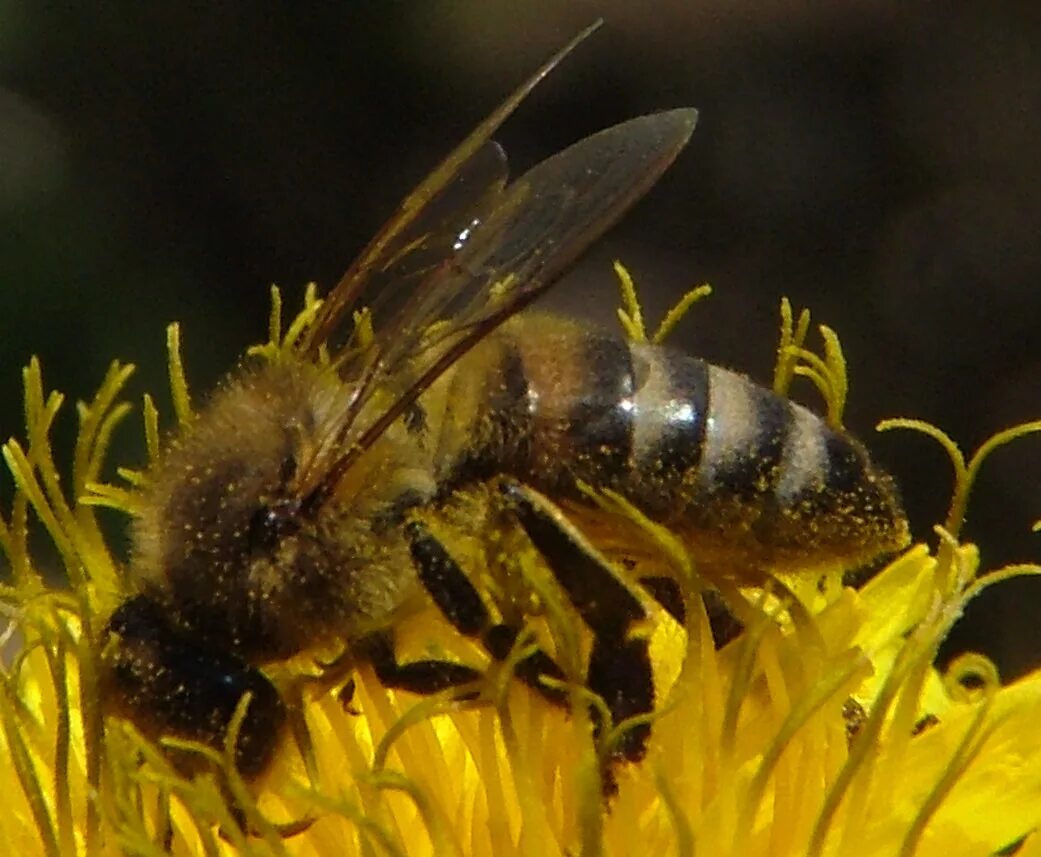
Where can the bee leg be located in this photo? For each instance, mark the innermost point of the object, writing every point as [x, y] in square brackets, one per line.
[499, 640]
[619, 666]
[725, 626]
[666, 591]
[423, 677]
[345, 695]
[461, 604]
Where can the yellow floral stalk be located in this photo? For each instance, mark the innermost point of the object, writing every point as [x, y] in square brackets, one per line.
[823, 729]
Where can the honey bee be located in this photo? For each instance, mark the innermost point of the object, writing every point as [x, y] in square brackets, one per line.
[293, 510]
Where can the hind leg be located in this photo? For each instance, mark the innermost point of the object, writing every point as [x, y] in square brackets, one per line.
[620, 669]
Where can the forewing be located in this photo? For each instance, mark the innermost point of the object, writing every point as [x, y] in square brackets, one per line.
[542, 223]
[436, 233]
[469, 180]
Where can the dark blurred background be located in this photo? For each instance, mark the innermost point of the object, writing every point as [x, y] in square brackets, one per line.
[878, 162]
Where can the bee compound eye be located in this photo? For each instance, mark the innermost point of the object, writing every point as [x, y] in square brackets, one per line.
[168, 683]
[273, 522]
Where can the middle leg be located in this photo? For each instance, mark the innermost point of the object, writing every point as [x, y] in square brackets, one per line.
[462, 605]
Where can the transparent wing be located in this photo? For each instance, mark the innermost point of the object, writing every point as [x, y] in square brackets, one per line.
[435, 217]
[435, 233]
[540, 224]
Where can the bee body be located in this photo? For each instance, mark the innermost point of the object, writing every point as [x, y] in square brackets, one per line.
[295, 509]
[753, 482]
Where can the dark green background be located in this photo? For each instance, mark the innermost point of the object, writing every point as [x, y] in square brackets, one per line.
[876, 161]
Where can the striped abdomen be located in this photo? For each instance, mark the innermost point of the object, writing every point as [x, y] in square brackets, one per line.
[746, 475]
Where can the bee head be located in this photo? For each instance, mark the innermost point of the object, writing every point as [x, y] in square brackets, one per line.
[220, 536]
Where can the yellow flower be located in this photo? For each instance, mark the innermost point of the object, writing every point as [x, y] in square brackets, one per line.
[822, 729]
